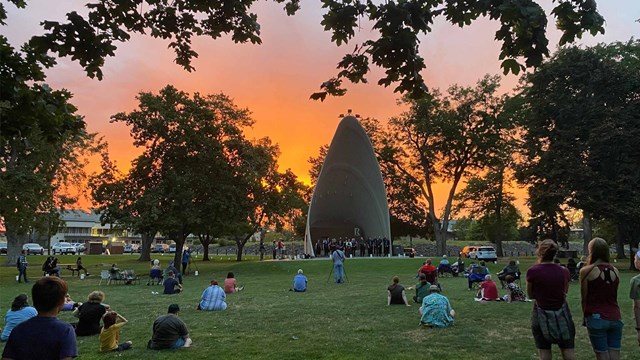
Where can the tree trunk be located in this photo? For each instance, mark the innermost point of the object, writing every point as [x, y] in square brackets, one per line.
[263, 232]
[620, 236]
[180, 240]
[240, 246]
[145, 249]
[14, 245]
[587, 232]
[205, 240]
[441, 240]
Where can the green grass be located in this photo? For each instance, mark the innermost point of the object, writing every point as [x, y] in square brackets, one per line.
[348, 321]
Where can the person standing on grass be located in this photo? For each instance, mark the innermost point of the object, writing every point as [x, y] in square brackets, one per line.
[169, 331]
[213, 298]
[43, 337]
[599, 282]
[110, 334]
[186, 256]
[551, 321]
[20, 312]
[634, 294]
[299, 282]
[338, 265]
[22, 264]
[80, 267]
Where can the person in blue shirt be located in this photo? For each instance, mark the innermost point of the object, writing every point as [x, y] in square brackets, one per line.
[186, 256]
[55, 339]
[171, 285]
[299, 282]
[213, 298]
[20, 311]
[338, 265]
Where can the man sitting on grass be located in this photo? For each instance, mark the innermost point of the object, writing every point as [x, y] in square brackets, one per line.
[299, 282]
[488, 290]
[213, 298]
[171, 285]
[436, 310]
[169, 331]
[44, 336]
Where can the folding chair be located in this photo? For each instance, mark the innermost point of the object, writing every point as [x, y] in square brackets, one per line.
[105, 275]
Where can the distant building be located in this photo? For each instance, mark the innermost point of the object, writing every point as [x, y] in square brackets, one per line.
[349, 199]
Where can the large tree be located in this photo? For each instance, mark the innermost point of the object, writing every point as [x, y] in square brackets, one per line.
[393, 46]
[442, 138]
[43, 143]
[580, 116]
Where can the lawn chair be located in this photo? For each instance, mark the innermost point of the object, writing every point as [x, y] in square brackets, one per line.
[129, 277]
[444, 269]
[105, 275]
[476, 276]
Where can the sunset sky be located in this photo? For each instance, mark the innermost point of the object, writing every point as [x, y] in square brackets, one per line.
[274, 80]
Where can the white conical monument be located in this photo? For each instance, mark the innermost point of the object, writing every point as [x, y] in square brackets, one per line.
[349, 199]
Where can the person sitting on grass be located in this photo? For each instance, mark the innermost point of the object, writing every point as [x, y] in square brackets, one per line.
[429, 271]
[488, 290]
[171, 285]
[169, 331]
[171, 268]
[89, 314]
[110, 334]
[43, 337]
[69, 304]
[396, 294]
[422, 289]
[299, 282]
[514, 293]
[20, 312]
[436, 310]
[213, 298]
[230, 284]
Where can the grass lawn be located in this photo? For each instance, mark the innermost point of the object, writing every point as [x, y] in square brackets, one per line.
[330, 321]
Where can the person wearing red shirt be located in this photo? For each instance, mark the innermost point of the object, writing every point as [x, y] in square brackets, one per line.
[429, 271]
[488, 289]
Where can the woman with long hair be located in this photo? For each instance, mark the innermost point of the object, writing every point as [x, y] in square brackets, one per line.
[551, 322]
[20, 311]
[599, 293]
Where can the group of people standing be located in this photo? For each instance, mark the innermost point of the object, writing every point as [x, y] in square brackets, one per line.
[552, 322]
[355, 246]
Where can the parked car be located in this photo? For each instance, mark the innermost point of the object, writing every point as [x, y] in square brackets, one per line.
[467, 250]
[486, 253]
[79, 247]
[63, 248]
[3, 248]
[172, 248]
[160, 248]
[131, 248]
[33, 249]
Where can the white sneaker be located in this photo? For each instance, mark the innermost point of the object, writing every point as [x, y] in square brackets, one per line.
[187, 343]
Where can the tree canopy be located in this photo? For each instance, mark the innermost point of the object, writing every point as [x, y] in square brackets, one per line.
[442, 138]
[43, 143]
[397, 25]
[581, 141]
[197, 173]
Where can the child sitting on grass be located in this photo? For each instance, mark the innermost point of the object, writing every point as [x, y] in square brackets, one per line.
[110, 334]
